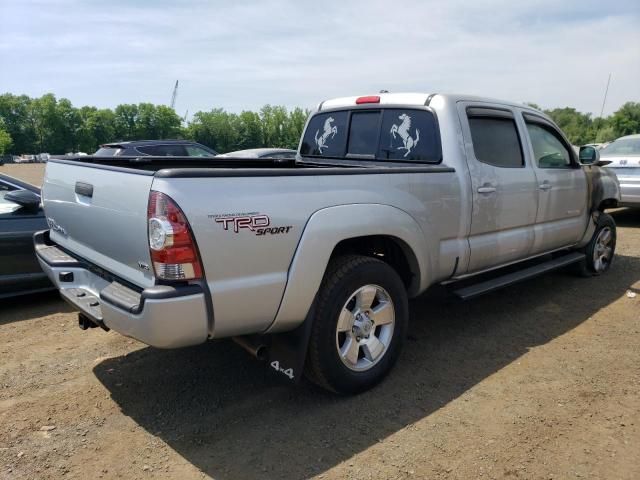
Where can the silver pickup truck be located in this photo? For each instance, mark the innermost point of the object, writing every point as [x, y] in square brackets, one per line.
[309, 263]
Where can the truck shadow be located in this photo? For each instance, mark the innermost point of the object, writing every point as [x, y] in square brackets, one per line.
[626, 217]
[228, 416]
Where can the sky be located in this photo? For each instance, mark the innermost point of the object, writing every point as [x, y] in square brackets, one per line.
[240, 55]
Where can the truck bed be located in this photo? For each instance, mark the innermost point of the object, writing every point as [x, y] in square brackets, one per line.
[182, 167]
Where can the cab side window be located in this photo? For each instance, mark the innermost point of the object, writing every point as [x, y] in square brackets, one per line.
[495, 138]
[548, 150]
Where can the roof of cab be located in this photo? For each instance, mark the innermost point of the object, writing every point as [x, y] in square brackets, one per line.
[416, 99]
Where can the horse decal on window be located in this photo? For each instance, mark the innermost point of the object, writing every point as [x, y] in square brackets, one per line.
[328, 131]
[402, 131]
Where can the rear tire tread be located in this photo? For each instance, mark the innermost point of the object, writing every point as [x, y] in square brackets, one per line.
[337, 270]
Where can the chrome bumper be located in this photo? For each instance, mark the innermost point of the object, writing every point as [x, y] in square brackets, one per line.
[629, 187]
[162, 316]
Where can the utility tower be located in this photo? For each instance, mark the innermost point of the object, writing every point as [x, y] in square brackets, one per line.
[173, 97]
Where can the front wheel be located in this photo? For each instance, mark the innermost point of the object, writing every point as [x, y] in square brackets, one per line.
[359, 324]
[601, 248]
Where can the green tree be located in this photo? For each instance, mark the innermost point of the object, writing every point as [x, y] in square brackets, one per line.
[126, 119]
[216, 129]
[249, 130]
[5, 140]
[68, 125]
[14, 113]
[626, 121]
[295, 125]
[578, 127]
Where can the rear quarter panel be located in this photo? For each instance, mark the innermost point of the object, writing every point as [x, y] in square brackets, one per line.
[247, 274]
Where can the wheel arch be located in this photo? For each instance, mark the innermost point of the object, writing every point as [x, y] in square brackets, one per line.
[382, 231]
[390, 249]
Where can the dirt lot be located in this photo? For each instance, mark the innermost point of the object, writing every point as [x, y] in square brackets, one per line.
[28, 172]
[538, 381]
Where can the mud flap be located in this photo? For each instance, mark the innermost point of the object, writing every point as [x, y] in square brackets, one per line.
[288, 350]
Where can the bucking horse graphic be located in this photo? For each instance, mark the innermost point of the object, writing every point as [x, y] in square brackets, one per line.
[403, 131]
[329, 130]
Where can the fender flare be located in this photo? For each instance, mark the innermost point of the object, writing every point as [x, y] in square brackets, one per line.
[602, 186]
[323, 231]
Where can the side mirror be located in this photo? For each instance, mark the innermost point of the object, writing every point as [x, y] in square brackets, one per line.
[589, 156]
[25, 198]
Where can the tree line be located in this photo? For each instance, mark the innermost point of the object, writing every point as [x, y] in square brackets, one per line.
[48, 124]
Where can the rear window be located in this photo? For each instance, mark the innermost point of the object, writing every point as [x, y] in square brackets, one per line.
[382, 134]
[108, 152]
[164, 150]
[326, 135]
[622, 146]
[409, 135]
[363, 135]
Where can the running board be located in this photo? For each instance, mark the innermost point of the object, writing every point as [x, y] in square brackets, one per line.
[481, 288]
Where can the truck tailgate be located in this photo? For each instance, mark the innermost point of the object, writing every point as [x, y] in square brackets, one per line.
[101, 215]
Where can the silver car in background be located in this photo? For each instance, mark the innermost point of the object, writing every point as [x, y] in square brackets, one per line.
[624, 155]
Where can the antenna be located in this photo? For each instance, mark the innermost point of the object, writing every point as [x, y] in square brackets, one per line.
[604, 100]
[174, 96]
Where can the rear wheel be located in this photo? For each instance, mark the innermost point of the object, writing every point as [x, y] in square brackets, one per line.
[601, 248]
[359, 326]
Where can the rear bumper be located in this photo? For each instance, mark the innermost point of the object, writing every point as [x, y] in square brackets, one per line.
[162, 316]
[629, 188]
[630, 192]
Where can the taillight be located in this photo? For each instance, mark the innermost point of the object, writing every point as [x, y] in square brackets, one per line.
[173, 250]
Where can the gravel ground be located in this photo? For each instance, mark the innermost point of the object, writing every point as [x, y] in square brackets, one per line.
[29, 172]
[538, 381]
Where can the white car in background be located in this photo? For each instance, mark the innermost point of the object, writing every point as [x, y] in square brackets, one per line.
[624, 155]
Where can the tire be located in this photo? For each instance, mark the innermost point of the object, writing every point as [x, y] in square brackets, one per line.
[600, 250]
[359, 325]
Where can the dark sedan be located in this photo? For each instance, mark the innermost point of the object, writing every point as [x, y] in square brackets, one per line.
[21, 215]
[279, 153]
[157, 148]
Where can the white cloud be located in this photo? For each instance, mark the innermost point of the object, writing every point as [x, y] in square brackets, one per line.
[246, 54]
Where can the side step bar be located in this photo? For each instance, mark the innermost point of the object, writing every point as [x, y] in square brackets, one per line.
[472, 291]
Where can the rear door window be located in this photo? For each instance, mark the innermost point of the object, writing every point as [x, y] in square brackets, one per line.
[326, 135]
[496, 141]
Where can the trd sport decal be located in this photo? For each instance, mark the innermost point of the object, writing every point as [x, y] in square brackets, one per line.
[255, 222]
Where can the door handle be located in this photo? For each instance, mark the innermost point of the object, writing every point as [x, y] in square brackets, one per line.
[545, 186]
[85, 189]
[486, 189]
